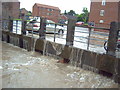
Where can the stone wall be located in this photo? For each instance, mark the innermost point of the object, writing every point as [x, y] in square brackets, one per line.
[101, 63]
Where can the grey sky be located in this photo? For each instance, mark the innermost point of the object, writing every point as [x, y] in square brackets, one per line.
[76, 5]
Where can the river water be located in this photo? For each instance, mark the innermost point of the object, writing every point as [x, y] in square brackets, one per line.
[22, 69]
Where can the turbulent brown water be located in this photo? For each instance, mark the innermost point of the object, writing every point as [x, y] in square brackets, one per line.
[22, 69]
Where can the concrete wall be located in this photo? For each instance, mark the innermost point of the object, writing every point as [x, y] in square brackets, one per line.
[18, 40]
[101, 63]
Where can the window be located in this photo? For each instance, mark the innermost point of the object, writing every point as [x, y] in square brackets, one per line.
[102, 12]
[42, 8]
[50, 9]
[103, 2]
[49, 14]
[101, 21]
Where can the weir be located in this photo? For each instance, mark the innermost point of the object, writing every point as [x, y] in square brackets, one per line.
[23, 69]
[100, 63]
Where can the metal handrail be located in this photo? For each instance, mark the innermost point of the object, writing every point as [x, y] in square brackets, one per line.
[86, 31]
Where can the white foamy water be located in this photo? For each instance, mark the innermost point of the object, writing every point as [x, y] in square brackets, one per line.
[22, 69]
[1, 67]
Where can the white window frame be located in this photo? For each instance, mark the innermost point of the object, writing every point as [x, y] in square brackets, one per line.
[49, 14]
[102, 12]
[103, 2]
[101, 21]
[49, 9]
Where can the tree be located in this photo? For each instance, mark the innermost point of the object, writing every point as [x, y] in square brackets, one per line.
[29, 13]
[65, 12]
[83, 16]
[71, 12]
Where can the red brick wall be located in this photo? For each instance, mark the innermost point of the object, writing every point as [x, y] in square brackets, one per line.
[15, 11]
[24, 11]
[119, 13]
[111, 13]
[35, 10]
[43, 12]
[10, 9]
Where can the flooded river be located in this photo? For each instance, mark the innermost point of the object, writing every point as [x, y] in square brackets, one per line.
[22, 69]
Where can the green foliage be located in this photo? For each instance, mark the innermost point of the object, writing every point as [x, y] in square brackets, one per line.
[29, 13]
[65, 12]
[83, 16]
[71, 12]
[80, 17]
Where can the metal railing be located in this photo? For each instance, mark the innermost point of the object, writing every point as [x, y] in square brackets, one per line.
[82, 34]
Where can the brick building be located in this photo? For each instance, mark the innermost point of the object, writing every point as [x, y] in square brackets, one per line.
[10, 10]
[104, 12]
[23, 12]
[49, 12]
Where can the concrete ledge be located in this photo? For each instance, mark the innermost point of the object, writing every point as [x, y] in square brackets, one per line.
[18, 40]
[53, 48]
[28, 42]
[5, 36]
[106, 63]
[75, 57]
[39, 45]
[47, 47]
[118, 68]
[14, 39]
[89, 58]
[66, 52]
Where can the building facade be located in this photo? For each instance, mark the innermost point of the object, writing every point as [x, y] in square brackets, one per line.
[46, 11]
[24, 14]
[104, 12]
[10, 10]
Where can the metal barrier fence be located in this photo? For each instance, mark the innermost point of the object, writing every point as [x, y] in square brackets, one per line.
[79, 36]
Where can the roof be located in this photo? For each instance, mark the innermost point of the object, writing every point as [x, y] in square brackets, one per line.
[46, 6]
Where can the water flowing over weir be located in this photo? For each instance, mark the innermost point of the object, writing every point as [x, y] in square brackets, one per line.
[21, 67]
[73, 76]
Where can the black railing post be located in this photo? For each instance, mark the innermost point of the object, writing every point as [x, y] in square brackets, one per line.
[42, 30]
[113, 37]
[10, 27]
[70, 32]
[55, 32]
[23, 32]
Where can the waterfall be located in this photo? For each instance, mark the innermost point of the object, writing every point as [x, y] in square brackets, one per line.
[25, 44]
[71, 57]
[11, 40]
[80, 60]
[115, 74]
[44, 49]
[34, 42]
